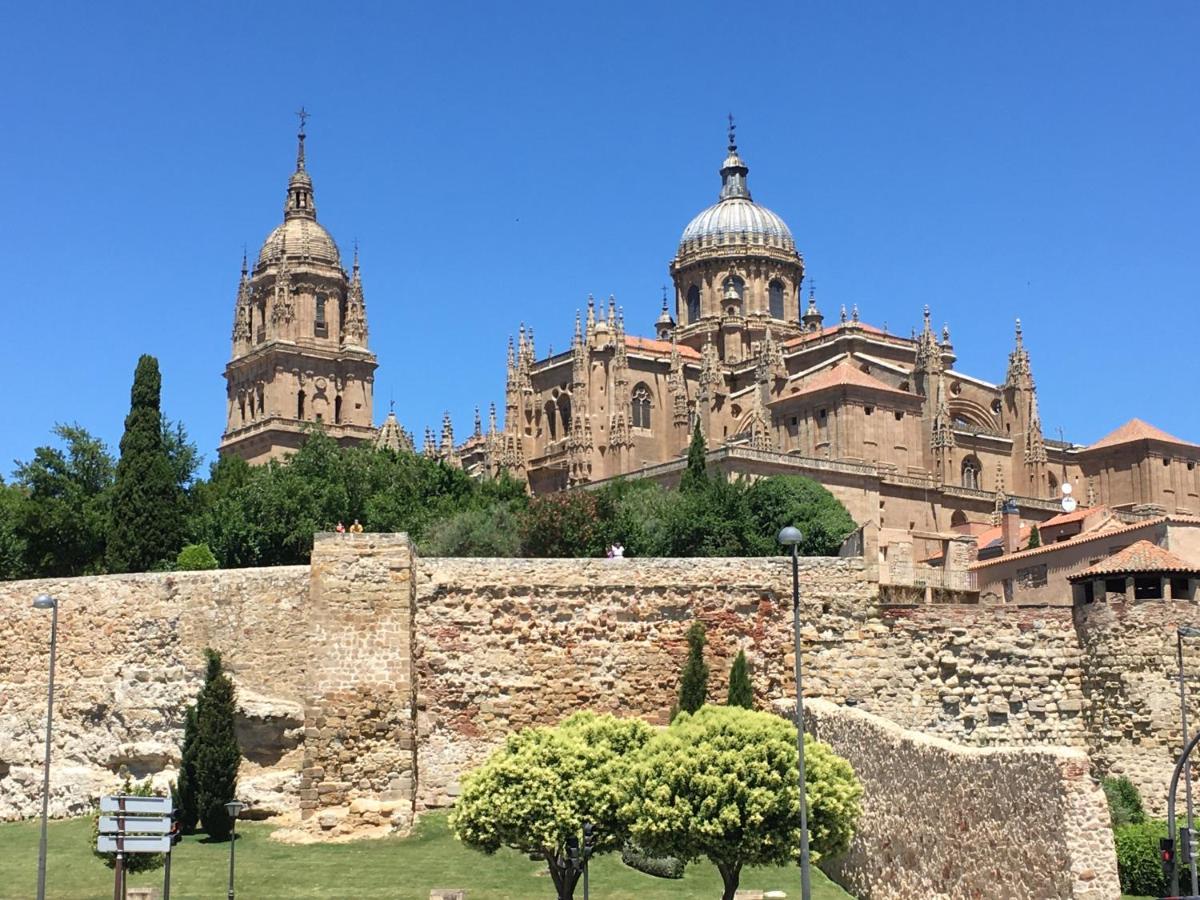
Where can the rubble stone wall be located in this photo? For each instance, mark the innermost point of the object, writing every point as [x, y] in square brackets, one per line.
[945, 821]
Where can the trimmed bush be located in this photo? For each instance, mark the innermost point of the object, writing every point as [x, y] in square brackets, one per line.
[1124, 801]
[194, 558]
[1138, 863]
[134, 862]
[658, 866]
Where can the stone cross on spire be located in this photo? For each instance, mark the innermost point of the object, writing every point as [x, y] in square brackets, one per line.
[732, 135]
[302, 115]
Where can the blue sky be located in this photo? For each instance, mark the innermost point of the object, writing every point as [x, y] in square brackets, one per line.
[498, 162]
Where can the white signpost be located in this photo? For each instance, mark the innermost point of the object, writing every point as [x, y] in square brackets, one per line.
[136, 825]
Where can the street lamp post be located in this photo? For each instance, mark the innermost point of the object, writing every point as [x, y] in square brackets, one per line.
[234, 808]
[45, 601]
[1180, 633]
[791, 537]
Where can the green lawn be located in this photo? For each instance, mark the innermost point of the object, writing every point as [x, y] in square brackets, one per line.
[404, 869]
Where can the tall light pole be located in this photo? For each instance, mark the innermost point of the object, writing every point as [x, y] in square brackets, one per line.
[791, 537]
[234, 808]
[45, 601]
[1180, 633]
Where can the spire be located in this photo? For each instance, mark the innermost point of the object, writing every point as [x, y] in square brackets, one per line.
[734, 171]
[447, 444]
[492, 418]
[300, 202]
[478, 424]
[929, 358]
[1020, 373]
[392, 437]
[245, 267]
[355, 270]
[812, 318]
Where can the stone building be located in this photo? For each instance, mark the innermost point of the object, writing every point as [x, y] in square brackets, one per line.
[906, 439]
[299, 338]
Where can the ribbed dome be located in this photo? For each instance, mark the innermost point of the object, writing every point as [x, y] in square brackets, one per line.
[736, 220]
[305, 240]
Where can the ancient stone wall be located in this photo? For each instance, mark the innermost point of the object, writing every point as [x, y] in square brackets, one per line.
[945, 821]
[130, 659]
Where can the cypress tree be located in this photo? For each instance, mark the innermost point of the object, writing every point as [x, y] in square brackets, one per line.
[185, 785]
[696, 474]
[693, 685]
[741, 692]
[217, 752]
[147, 503]
[1035, 538]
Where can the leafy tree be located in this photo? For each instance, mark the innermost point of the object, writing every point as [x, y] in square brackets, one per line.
[540, 787]
[490, 531]
[695, 476]
[565, 524]
[147, 504]
[741, 692]
[195, 557]
[63, 517]
[12, 542]
[1139, 865]
[635, 514]
[134, 862]
[693, 684]
[186, 807]
[708, 520]
[782, 500]
[217, 754]
[1035, 538]
[721, 783]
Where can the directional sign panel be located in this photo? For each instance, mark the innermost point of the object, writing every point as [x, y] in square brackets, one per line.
[157, 806]
[135, 824]
[140, 843]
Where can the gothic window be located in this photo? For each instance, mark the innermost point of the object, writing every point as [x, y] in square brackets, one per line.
[551, 425]
[776, 292]
[564, 412]
[640, 412]
[320, 325]
[300, 404]
[337, 410]
[971, 470]
[693, 304]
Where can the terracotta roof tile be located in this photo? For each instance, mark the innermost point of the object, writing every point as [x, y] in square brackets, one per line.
[845, 374]
[1102, 534]
[1066, 518]
[1137, 430]
[1141, 556]
[652, 346]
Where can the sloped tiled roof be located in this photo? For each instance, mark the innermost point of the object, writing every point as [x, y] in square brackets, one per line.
[1067, 518]
[844, 374]
[1137, 430]
[652, 346]
[1098, 534]
[1141, 556]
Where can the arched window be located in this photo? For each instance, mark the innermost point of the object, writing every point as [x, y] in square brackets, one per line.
[1053, 484]
[551, 424]
[300, 404]
[693, 304]
[776, 292]
[971, 470]
[564, 412]
[337, 410]
[641, 406]
[732, 291]
[958, 518]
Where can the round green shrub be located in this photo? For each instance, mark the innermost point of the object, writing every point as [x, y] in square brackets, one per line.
[1138, 862]
[195, 557]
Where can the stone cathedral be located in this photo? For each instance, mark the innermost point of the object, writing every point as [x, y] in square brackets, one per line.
[888, 422]
[299, 338]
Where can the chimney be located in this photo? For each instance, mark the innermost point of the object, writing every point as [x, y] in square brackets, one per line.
[1010, 526]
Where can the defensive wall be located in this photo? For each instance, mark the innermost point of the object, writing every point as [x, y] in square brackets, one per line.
[371, 680]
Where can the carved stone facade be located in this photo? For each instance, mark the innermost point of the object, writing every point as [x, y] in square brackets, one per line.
[299, 339]
[906, 440]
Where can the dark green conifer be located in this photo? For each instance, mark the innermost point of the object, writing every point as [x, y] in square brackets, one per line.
[741, 692]
[185, 786]
[147, 504]
[693, 686]
[695, 476]
[217, 753]
[1035, 538]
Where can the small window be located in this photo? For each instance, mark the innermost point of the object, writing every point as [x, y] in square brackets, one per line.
[693, 304]
[868, 410]
[971, 470]
[300, 404]
[1166, 462]
[640, 411]
[899, 416]
[564, 412]
[320, 325]
[821, 414]
[551, 425]
[904, 386]
[337, 416]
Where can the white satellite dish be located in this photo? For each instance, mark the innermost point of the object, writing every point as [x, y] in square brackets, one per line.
[1066, 488]
[1069, 504]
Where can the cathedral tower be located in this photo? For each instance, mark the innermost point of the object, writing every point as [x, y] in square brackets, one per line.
[300, 352]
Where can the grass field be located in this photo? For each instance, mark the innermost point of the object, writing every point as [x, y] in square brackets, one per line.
[402, 869]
